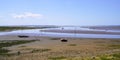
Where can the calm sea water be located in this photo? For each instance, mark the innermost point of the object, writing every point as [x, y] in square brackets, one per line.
[37, 32]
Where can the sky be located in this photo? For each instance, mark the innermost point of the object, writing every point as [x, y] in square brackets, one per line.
[60, 12]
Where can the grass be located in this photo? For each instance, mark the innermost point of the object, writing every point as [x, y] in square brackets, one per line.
[57, 58]
[40, 50]
[11, 43]
[72, 45]
[5, 28]
[22, 46]
[2, 51]
[55, 38]
[115, 56]
[15, 42]
[114, 46]
[106, 58]
[69, 53]
[8, 28]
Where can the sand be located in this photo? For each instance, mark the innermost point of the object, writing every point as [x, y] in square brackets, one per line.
[74, 48]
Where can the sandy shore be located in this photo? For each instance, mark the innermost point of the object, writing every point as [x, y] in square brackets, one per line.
[73, 49]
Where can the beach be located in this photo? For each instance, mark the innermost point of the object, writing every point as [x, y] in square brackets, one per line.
[47, 48]
[47, 44]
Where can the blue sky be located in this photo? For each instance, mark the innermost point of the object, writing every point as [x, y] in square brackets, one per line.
[60, 12]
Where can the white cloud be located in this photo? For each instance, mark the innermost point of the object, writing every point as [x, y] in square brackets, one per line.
[27, 15]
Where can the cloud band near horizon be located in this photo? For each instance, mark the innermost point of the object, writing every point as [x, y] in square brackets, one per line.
[27, 15]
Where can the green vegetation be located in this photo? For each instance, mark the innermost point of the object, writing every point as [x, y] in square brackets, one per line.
[9, 28]
[11, 43]
[5, 28]
[22, 46]
[115, 56]
[114, 46]
[55, 38]
[14, 42]
[40, 50]
[57, 58]
[106, 57]
[2, 51]
[72, 45]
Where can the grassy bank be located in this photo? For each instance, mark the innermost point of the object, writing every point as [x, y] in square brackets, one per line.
[11, 43]
[9, 28]
[6, 28]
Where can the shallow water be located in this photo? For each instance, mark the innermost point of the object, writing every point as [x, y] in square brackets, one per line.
[37, 32]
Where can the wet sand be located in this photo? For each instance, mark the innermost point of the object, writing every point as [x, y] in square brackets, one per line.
[114, 27]
[81, 31]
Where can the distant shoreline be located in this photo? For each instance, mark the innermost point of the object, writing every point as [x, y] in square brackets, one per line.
[81, 32]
